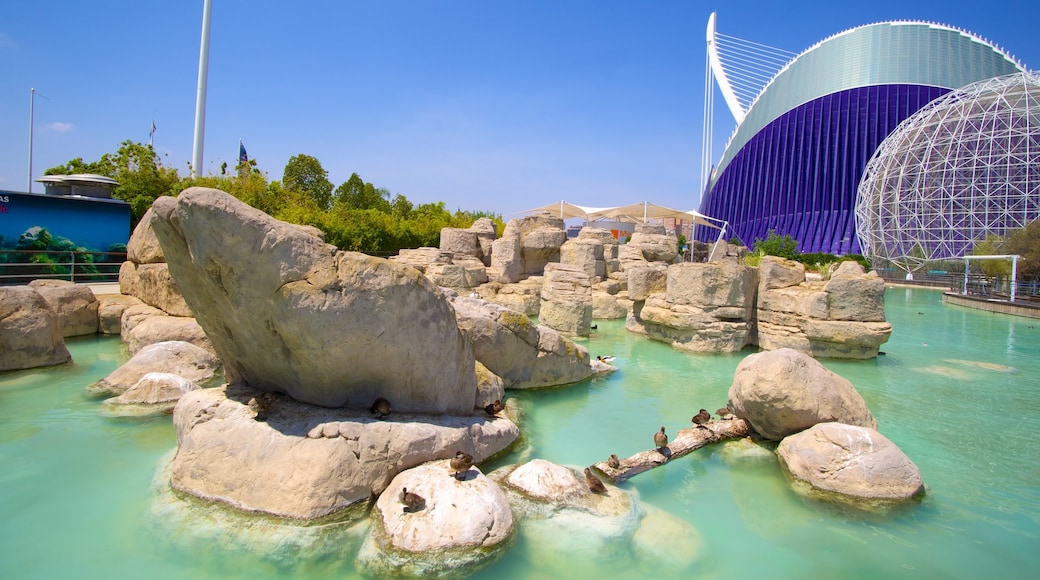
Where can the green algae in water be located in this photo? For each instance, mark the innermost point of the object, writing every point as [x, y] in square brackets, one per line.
[958, 391]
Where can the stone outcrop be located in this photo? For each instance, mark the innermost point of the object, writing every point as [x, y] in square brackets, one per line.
[567, 300]
[140, 329]
[172, 357]
[458, 271]
[110, 311]
[463, 524]
[524, 354]
[611, 263]
[526, 246]
[306, 462]
[784, 391]
[75, 305]
[524, 296]
[840, 318]
[585, 254]
[30, 331]
[705, 307]
[290, 314]
[654, 244]
[154, 394]
[834, 461]
[145, 275]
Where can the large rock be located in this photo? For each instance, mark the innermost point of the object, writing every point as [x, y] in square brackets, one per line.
[784, 391]
[776, 272]
[140, 331]
[305, 461]
[143, 247]
[153, 285]
[30, 331]
[288, 313]
[464, 524]
[856, 295]
[839, 461]
[76, 305]
[644, 280]
[586, 254]
[422, 258]
[567, 300]
[524, 354]
[172, 357]
[524, 296]
[153, 394]
[654, 244]
[507, 264]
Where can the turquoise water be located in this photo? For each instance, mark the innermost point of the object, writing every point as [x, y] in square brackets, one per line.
[957, 391]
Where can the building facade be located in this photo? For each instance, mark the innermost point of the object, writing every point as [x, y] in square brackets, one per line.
[795, 161]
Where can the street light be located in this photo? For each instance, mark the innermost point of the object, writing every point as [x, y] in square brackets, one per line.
[32, 101]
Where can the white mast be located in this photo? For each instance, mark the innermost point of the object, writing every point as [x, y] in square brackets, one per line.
[200, 99]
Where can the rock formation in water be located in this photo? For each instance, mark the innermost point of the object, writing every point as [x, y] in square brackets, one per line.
[291, 314]
[30, 331]
[782, 392]
[153, 394]
[850, 464]
[464, 524]
[171, 357]
[566, 300]
[76, 305]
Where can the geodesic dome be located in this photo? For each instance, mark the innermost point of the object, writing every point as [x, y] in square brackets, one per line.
[965, 166]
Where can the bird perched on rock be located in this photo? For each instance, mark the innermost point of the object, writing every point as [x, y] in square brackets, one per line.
[606, 359]
[613, 461]
[493, 408]
[460, 465]
[660, 439]
[381, 407]
[724, 413]
[594, 483]
[261, 405]
[702, 417]
[413, 502]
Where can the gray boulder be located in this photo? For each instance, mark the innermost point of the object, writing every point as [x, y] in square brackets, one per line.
[140, 331]
[153, 394]
[110, 311]
[524, 354]
[784, 391]
[179, 358]
[305, 462]
[75, 305]
[290, 314]
[30, 331]
[463, 524]
[567, 300]
[846, 462]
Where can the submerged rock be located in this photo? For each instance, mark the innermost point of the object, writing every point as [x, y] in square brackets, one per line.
[461, 525]
[174, 357]
[849, 463]
[153, 394]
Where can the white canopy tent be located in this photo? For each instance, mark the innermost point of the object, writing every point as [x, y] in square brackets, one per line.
[637, 212]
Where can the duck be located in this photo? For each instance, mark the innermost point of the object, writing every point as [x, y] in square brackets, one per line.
[493, 409]
[613, 461]
[702, 417]
[381, 407]
[413, 502]
[661, 439]
[594, 483]
[261, 405]
[460, 465]
[606, 359]
[724, 413]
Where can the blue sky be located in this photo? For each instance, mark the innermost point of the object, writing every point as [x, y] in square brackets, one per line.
[485, 105]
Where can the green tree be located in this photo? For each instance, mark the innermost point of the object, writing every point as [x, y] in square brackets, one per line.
[1026, 243]
[993, 245]
[305, 173]
[401, 208]
[140, 173]
[776, 245]
[355, 193]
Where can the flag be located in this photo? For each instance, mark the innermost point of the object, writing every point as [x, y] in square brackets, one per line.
[242, 156]
[152, 132]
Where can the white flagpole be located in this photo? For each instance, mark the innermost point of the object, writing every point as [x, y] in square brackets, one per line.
[200, 100]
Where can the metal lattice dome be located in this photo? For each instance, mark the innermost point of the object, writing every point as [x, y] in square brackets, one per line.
[965, 166]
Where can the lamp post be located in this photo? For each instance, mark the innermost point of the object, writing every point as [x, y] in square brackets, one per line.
[32, 101]
[200, 97]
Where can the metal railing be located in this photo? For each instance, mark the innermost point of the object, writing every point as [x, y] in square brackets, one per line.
[24, 266]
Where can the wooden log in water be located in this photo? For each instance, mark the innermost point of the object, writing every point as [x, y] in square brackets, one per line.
[686, 441]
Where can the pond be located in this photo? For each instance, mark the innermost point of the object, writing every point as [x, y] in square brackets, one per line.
[957, 390]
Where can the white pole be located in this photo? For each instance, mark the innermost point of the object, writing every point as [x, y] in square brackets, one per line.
[32, 101]
[1014, 275]
[200, 99]
[966, 268]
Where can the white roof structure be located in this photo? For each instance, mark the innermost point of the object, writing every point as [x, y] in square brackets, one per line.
[642, 211]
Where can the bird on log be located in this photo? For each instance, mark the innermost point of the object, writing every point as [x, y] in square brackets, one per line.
[724, 413]
[613, 461]
[685, 441]
[460, 465]
[703, 417]
[661, 440]
[594, 483]
[413, 502]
